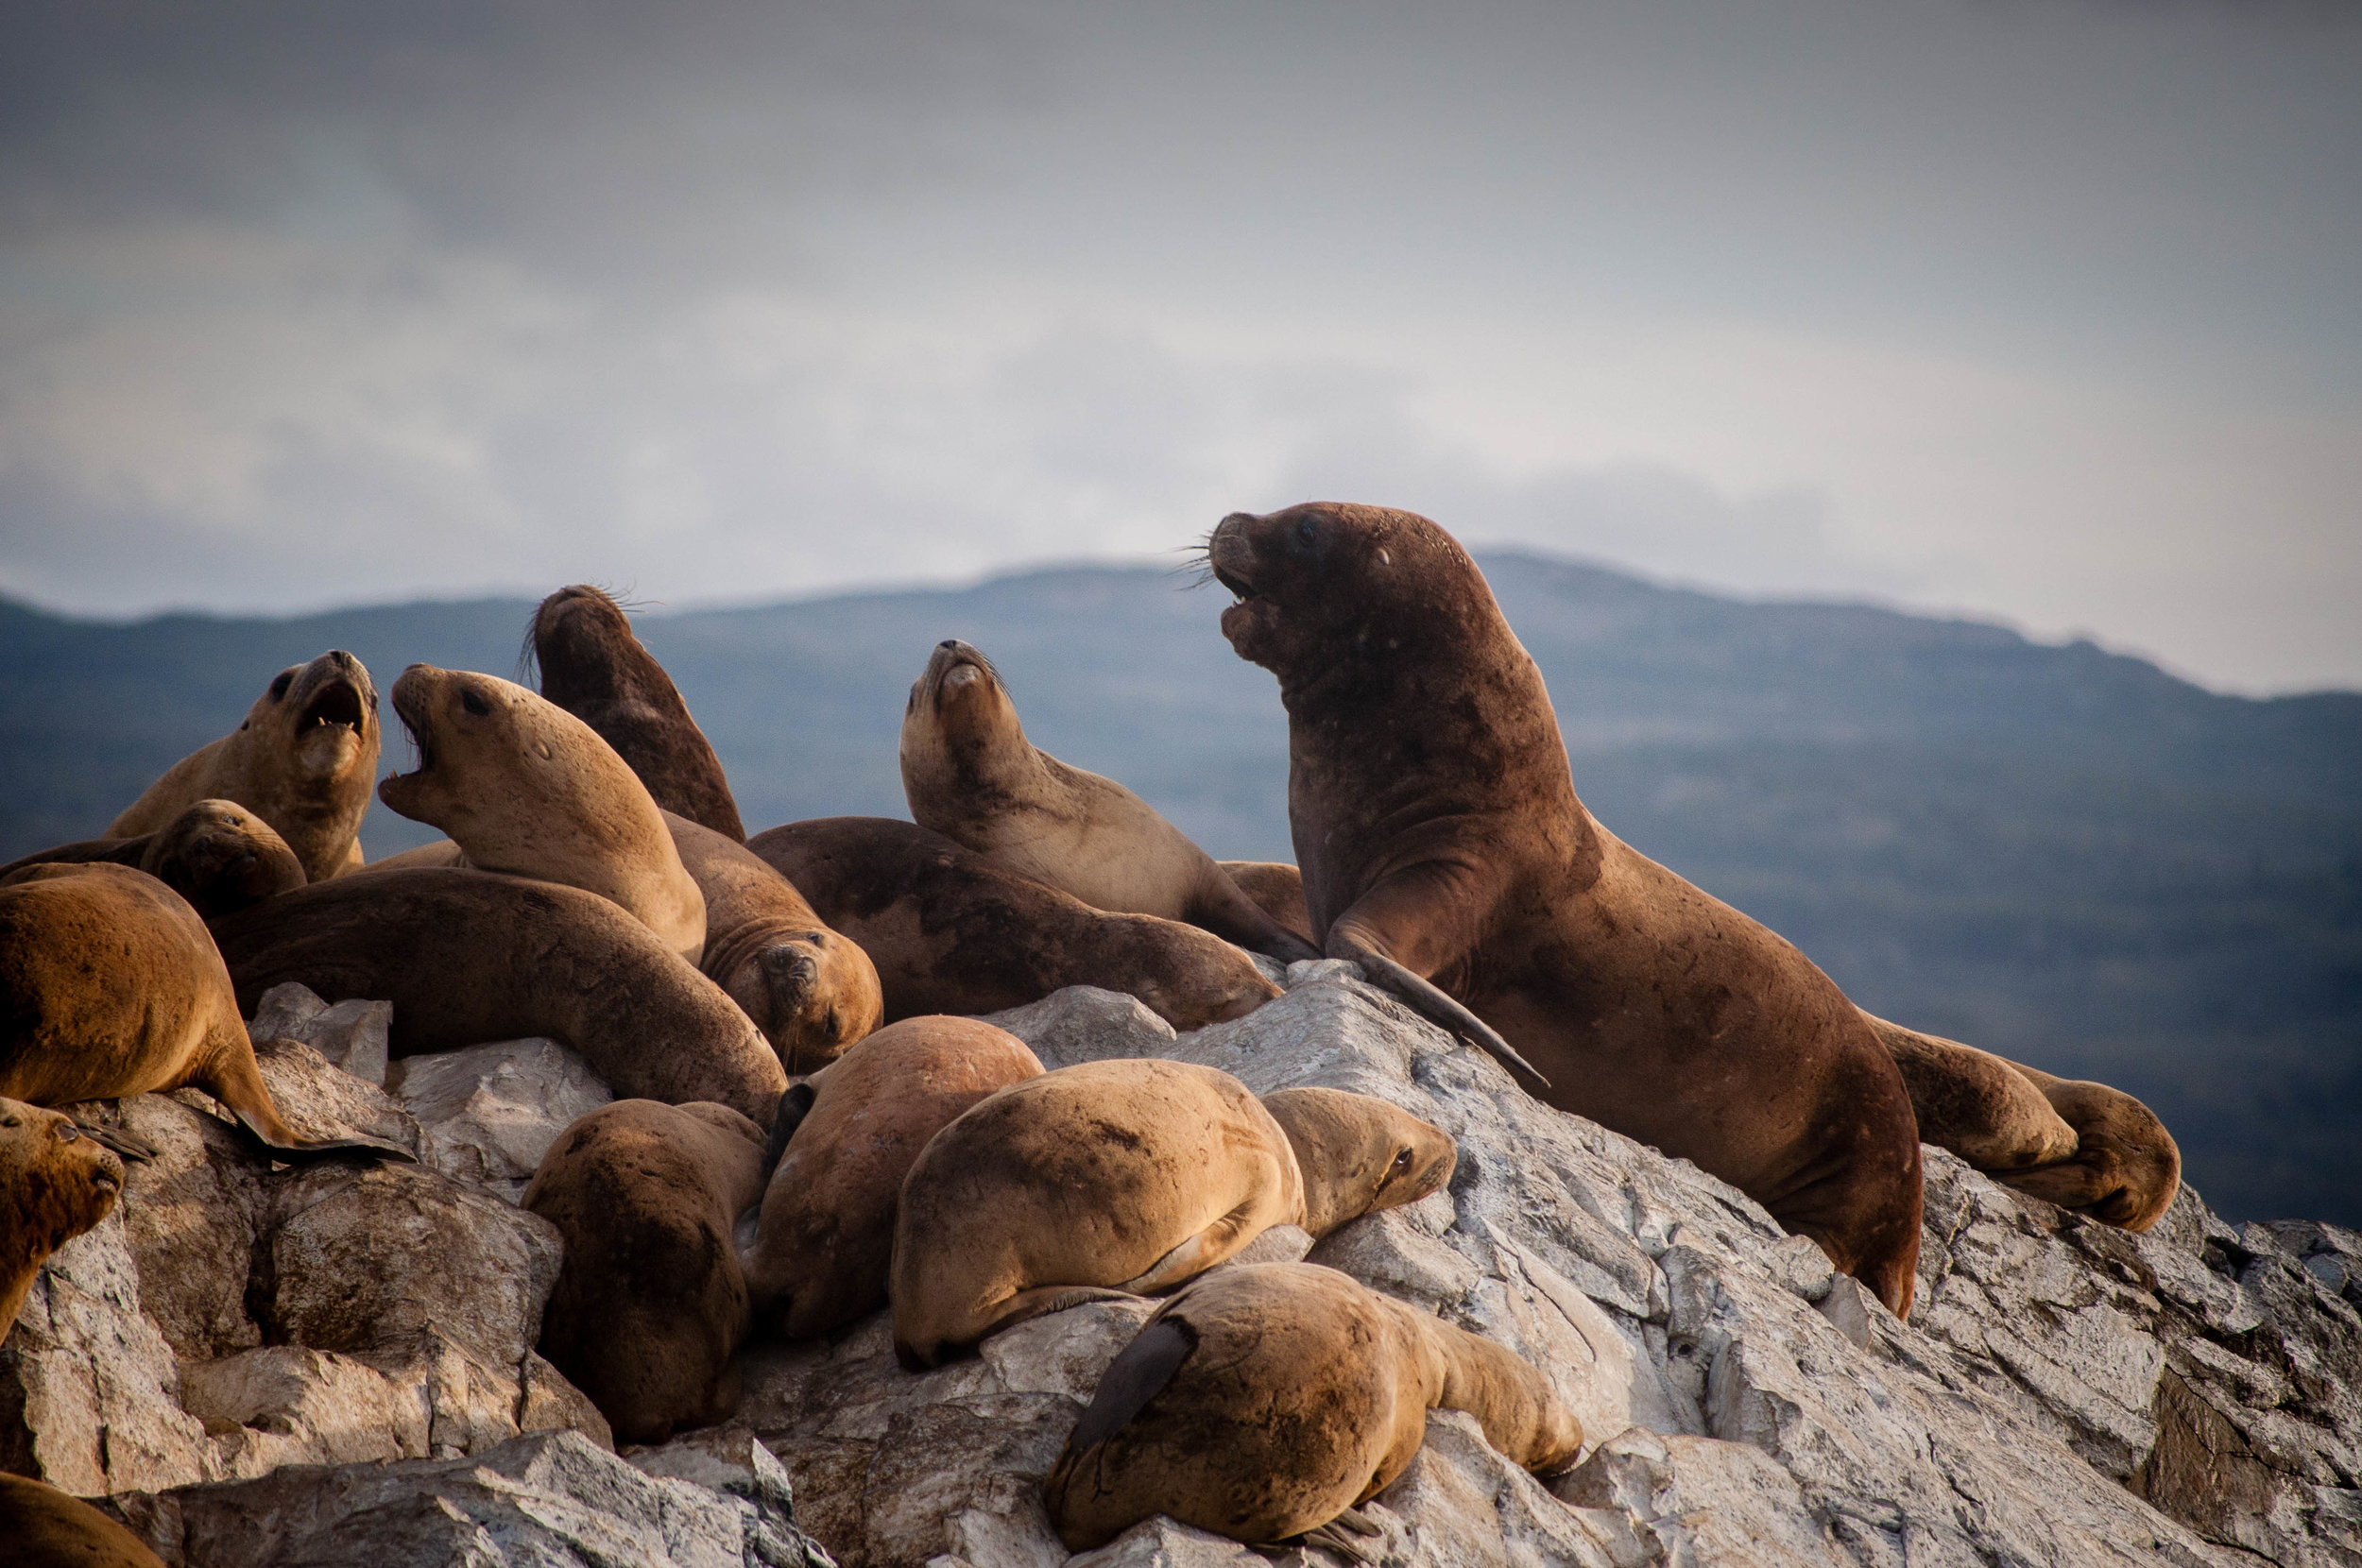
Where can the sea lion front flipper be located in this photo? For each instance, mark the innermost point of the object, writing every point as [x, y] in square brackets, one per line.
[1429, 913]
[1342, 1536]
[1430, 1002]
[795, 1106]
[1223, 908]
[121, 1140]
[1215, 1244]
[1028, 1305]
[1138, 1375]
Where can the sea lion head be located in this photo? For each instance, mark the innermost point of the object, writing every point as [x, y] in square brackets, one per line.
[471, 729]
[1325, 581]
[588, 653]
[1359, 1154]
[322, 716]
[810, 992]
[959, 729]
[222, 859]
[55, 1184]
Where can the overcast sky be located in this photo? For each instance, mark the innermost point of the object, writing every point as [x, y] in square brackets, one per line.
[2044, 312]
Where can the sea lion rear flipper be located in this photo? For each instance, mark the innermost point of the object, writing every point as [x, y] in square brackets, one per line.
[287, 1147]
[1342, 1536]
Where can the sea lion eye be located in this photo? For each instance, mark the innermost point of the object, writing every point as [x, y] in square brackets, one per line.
[67, 1131]
[279, 687]
[1402, 1162]
[1305, 530]
[474, 704]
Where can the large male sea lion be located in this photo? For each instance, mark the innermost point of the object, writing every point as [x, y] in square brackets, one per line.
[1128, 1177]
[524, 787]
[826, 1231]
[56, 1183]
[467, 956]
[952, 931]
[1443, 850]
[217, 854]
[650, 1305]
[1264, 1401]
[302, 761]
[45, 1529]
[595, 668]
[971, 774]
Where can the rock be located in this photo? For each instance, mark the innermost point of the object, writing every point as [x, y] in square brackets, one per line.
[1082, 1023]
[287, 1404]
[1164, 1542]
[320, 1101]
[352, 1035]
[491, 1111]
[1698, 1500]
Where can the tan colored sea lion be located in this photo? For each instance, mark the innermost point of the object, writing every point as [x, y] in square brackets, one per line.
[811, 990]
[45, 1529]
[826, 1231]
[595, 668]
[971, 774]
[302, 761]
[1443, 850]
[1262, 1402]
[467, 956]
[1128, 1177]
[217, 854]
[951, 931]
[56, 1183]
[110, 986]
[1276, 887]
[524, 787]
[650, 1305]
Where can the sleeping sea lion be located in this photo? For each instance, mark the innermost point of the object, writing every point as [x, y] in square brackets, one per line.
[302, 761]
[56, 1183]
[467, 956]
[217, 854]
[1444, 850]
[45, 1529]
[595, 668]
[650, 1305]
[826, 1231]
[524, 787]
[1264, 1401]
[1128, 1177]
[952, 931]
[971, 774]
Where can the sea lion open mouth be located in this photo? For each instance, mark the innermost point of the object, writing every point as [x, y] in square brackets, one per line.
[337, 702]
[414, 729]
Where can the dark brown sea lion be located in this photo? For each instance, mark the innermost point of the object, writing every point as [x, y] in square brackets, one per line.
[1264, 1401]
[303, 761]
[951, 931]
[217, 854]
[595, 668]
[1128, 1177]
[1276, 887]
[826, 1231]
[43, 1527]
[56, 1183]
[971, 774]
[468, 956]
[650, 1305]
[1443, 850]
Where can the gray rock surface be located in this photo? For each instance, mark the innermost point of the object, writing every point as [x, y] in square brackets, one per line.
[352, 1035]
[491, 1111]
[1084, 1023]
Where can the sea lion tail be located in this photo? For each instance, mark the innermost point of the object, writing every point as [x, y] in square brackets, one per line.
[1430, 1002]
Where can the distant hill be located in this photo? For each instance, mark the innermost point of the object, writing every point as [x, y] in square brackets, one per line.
[2058, 852]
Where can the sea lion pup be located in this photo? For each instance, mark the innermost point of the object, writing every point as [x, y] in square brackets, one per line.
[1443, 850]
[1262, 1402]
[953, 932]
[595, 668]
[217, 854]
[826, 1231]
[650, 1305]
[467, 956]
[524, 787]
[812, 990]
[1127, 1177]
[45, 1529]
[1276, 887]
[971, 774]
[110, 986]
[303, 761]
[56, 1183]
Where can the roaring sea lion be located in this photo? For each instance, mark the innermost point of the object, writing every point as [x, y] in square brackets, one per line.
[56, 1183]
[826, 1231]
[217, 854]
[650, 1305]
[1128, 1177]
[595, 668]
[1262, 1402]
[302, 761]
[1276, 887]
[45, 1529]
[467, 956]
[524, 787]
[1443, 850]
[812, 990]
[952, 931]
[971, 774]
[110, 986]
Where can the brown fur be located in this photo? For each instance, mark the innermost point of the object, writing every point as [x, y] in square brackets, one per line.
[827, 1234]
[1276, 887]
[303, 761]
[56, 1183]
[951, 931]
[45, 1529]
[217, 854]
[1264, 1401]
[650, 1305]
[1444, 848]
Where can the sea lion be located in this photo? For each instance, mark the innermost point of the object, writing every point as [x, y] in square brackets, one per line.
[1264, 1401]
[971, 774]
[217, 854]
[1276, 887]
[110, 986]
[302, 761]
[650, 1305]
[595, 668]
[45, 1529]
[1443, 850]
[56, 1183]
[524, 787]
[467, 956]
[1128, 1177]
[827, 1233]
[952, 931]
[811, 990]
